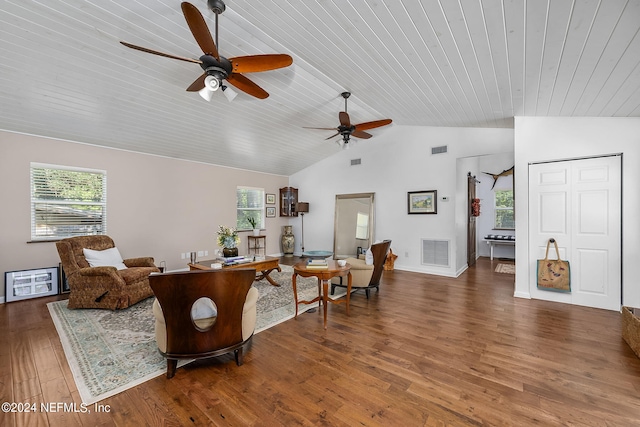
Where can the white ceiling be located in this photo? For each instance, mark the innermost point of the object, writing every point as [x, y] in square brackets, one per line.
[63, 73]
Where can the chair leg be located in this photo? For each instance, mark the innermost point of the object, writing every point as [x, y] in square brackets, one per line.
[366, 291]
[171, 367]
[239, 356]
[333, 288]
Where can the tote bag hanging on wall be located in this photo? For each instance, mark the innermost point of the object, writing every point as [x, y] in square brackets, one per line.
[554, 274]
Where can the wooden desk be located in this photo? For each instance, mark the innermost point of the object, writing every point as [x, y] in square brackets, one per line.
[264, 266]
[324, 276]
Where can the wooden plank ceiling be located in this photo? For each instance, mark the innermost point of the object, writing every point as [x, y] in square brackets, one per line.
[464, 63]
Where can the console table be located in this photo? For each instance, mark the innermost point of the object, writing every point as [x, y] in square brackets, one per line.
[499, 240]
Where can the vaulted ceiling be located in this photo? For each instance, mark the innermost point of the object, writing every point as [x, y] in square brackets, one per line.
[64, 74]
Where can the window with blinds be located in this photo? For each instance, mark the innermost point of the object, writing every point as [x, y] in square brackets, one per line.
[250, 204]
[67, 202]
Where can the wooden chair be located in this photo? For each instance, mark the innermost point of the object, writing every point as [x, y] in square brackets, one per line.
[366, 276]
[183, 334]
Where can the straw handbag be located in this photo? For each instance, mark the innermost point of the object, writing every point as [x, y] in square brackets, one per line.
[554, 274]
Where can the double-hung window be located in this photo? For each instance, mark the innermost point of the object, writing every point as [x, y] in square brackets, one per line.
[250, 204]
[67, 202]
[503, 208]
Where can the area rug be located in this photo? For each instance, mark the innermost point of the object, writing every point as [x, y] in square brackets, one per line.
[109, 352]
[506, 268]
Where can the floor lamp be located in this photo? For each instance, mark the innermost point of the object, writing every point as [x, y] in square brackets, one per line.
[302, 208]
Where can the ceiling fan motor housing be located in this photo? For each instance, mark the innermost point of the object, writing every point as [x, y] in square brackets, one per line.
[209, 63]
[216, 6]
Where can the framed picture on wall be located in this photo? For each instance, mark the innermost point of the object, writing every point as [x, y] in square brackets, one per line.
[271, 212]
[271, 199]
[422, 202]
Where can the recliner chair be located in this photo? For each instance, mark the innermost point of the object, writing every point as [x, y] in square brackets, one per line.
[105, 286]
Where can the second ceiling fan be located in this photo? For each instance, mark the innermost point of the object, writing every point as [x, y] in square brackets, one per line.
[217, 68]
[347, 130]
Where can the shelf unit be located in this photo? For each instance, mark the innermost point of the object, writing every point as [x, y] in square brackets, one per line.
[288, 201]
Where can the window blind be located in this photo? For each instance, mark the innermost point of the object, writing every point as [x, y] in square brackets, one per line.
[67, 202]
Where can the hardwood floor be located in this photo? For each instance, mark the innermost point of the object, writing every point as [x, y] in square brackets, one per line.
[424, 351]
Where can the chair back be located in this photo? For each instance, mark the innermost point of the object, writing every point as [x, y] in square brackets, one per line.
[379, 251]
[71, 254]
[177, 293]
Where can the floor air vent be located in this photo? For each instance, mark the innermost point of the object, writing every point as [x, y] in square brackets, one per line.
[435, 252]
[439, 150]
[355, 162]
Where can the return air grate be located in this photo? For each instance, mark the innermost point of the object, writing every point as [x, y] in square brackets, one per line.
[435, 252]
[439, 150]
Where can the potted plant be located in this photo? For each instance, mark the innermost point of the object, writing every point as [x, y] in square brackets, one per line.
[254, 223]
[228, 239]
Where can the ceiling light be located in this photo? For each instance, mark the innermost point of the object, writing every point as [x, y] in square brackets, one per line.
[345, 141]
[229, 93]
[212, 82]
[206, 93]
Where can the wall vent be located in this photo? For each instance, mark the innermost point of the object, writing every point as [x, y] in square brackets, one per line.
[355, 162]
[435, 252]
[439, 150]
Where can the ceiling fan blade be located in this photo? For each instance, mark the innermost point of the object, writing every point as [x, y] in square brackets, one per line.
[155, 52]
[344, 119]
[374, 124]
[246, 85]
[199, 29]
[306, 127]
[332, 136]
[257, 63]
[197, 84]
[360, 134]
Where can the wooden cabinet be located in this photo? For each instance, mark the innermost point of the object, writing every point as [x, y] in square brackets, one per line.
[288, 201]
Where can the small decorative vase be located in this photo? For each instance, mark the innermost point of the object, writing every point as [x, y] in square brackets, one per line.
[288, 241]
[228, 252]
[256, 231]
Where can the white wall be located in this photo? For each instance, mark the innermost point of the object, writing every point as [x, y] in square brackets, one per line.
[395, 161]
[156, 206]
[560, 138]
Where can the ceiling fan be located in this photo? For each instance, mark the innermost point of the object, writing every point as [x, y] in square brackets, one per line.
[347, 130]
[217, 68]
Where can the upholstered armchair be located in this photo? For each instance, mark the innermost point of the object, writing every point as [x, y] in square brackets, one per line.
[105, 286]
[366, 276]
[203, 313]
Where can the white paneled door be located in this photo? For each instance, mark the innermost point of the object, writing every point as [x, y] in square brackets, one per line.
[578, 203]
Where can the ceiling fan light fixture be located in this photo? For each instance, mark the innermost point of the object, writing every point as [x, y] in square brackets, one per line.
[206, 93]
[229, 93]
[212, 83]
